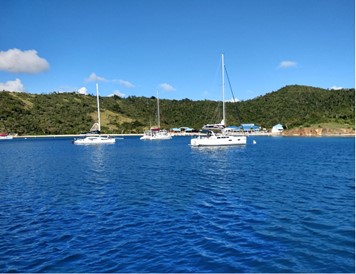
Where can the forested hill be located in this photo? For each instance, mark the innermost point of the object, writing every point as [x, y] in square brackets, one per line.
[71, 113]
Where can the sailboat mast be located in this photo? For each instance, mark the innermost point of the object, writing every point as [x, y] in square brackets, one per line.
[97, 102]
[158, 117]
[223, 86]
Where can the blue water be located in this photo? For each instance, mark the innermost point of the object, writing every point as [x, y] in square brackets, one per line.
[281, 205]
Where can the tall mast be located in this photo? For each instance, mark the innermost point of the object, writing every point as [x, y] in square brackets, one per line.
[97, 102]
[223, 86]
[158, 118]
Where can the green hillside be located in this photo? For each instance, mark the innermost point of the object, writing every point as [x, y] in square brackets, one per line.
[295, 106]
[70, 113]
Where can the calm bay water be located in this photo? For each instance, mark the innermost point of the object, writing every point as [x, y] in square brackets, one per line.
[281, 205]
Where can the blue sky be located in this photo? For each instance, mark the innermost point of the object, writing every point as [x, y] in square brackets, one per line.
[139, 47]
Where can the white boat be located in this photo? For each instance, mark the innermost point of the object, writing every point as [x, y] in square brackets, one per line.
[223, 138]
[214, 126]
[156, 133]
[95, 139]
[213, 139]
[5, 136]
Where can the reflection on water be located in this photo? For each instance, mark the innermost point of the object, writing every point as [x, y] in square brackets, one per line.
[217, 151]
[97, 156]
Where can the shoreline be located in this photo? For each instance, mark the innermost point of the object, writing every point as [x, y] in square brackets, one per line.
[70, 136]
[320, 132]
[283, 134]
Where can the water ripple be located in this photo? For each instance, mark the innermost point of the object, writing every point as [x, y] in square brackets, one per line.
[280, 206]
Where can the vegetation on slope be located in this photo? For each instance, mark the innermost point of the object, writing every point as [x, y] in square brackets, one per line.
[295, 106]
[70, 113]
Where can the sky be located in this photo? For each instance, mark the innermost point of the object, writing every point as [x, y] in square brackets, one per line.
[174, 47]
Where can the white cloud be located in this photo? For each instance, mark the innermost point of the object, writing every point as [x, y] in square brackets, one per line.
[126, 84]
[15, 86]
[18, 61]
[118, 93]
[166, 87]
[83, 90]
[336, 88]
[234, 101]
[94, 78]
[287, 64]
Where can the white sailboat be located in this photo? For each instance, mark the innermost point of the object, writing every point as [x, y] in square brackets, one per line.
[6, 136]
[94, 139]
[218, 139]
[156, 133]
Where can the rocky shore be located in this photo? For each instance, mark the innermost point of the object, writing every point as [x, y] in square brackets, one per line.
[319, 132]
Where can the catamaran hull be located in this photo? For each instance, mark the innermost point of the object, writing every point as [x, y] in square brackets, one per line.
[218, 141]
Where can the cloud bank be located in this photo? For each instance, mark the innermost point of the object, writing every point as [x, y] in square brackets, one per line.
[83, 91]
[15, 86]
[18, 61]
[126, 84]
[117, 93]
[166, 87]
[287, 64]
[336, 88]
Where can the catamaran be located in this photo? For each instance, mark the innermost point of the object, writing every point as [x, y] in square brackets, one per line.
[218, 139]
[91, 138]
[156, 133]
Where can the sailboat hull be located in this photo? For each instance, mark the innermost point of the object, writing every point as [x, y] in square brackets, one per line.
[5, 136]
[152, 135]
[94, 140]
[155, 138]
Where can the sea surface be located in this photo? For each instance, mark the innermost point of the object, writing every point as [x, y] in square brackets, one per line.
[284, 204]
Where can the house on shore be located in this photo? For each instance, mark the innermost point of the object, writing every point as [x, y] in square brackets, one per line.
[244, 128]
[182, 130]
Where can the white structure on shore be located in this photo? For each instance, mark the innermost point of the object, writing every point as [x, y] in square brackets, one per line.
[277, 128]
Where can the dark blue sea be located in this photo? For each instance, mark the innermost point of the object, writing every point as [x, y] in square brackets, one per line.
[284, 204]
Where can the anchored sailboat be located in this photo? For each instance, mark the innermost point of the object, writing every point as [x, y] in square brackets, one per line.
[5, 136]
[156, 133]
[95, 139]
[218, 139]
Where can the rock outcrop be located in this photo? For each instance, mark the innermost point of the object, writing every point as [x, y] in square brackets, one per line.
[308, 131]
